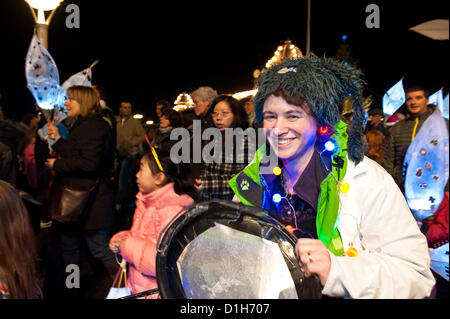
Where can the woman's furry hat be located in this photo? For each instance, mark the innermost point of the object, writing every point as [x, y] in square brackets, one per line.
[324, 83]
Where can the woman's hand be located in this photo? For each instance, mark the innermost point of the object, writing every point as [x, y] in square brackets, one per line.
[52, 131]
[114, 245]
[314, 258]
[50, 162]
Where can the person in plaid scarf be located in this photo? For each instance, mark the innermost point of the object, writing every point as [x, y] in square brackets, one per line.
[213, 182]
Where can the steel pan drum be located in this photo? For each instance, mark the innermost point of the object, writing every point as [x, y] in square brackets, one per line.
[225, 250]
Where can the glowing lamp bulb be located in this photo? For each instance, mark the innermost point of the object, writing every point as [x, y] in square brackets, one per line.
[276, 170]
[329, 146]
[323, 130]
[276, 198]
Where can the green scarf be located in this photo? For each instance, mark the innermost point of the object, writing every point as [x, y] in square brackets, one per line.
[328, 203]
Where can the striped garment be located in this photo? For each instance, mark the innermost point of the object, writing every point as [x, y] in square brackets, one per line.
[215, 176]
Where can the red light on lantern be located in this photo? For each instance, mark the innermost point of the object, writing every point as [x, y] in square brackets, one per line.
[323, 130]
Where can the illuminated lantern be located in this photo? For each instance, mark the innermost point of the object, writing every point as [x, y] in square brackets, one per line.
[284, 52]
[183, 102]
[426, 165]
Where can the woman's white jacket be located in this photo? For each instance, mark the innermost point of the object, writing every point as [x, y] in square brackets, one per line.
[393, 259]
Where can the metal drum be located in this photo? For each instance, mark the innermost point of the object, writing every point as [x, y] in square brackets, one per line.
[224, 250]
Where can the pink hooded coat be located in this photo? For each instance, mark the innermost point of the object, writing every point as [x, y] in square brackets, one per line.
[153, 212]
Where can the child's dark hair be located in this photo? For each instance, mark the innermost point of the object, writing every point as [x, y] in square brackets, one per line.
[178, 174]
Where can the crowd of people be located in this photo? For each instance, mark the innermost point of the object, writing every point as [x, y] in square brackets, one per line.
[131, 187]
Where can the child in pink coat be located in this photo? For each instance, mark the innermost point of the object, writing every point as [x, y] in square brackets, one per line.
[164, 190]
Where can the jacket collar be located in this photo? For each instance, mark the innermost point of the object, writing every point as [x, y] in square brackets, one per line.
[354, 170]
[158, 195]
[421, 116]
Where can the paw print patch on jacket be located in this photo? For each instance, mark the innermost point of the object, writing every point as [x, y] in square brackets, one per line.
[245, 185]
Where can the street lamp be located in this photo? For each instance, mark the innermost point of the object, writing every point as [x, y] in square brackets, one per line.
[42, 23]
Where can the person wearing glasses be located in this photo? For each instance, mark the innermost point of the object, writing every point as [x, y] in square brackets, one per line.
[227, 114]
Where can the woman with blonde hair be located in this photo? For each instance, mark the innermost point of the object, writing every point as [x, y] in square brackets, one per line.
[85, 162]
[18, 256]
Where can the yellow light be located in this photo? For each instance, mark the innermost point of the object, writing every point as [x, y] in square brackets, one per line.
[41, 6]
[45, 5]
[149, 122]
[241, 95]
[352, 252]
[285, 51]
[344, 187]
[183, 102]
[290, 228]
[277, 170]
[138, 116]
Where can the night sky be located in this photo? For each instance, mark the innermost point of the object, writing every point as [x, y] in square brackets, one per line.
[149, 52]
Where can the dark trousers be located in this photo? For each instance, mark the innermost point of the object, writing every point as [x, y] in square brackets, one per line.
[127, 178]
[97, 242]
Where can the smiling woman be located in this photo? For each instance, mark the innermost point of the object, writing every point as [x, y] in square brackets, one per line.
[291, 129]
[84, 163]
[316, 190]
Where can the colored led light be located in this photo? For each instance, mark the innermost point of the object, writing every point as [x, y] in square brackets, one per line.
[323, 130]
[276, 170]
[276, 198]
[344, 187]
[352, 252]
[329, 146]
[290, 228]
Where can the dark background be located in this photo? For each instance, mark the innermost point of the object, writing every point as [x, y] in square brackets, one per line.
[150, 51]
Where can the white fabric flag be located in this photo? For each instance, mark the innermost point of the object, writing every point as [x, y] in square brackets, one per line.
[445, 108]
[394, 98]
[83, 78]
[438, 100]
[42, 75]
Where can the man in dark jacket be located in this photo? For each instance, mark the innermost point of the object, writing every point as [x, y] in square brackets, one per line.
[403, 132]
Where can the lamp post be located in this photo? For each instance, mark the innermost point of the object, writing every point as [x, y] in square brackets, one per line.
[308, 30]
[41, 23]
